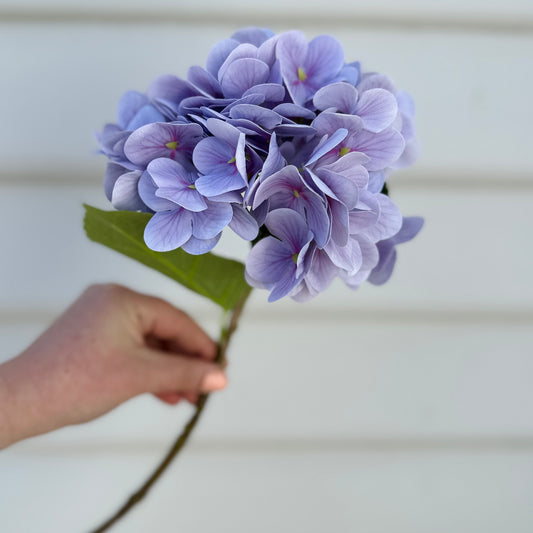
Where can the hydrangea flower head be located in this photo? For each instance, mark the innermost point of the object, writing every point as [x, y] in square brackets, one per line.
[281, 140]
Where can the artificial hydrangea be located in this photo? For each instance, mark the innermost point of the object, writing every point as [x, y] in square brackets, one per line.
[279, 139]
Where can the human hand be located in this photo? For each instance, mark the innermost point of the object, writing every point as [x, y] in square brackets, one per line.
[109, 346]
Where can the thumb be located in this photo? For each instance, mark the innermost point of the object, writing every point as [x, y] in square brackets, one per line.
[164, 372]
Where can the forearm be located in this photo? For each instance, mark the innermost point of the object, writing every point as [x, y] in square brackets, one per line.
[26, 406]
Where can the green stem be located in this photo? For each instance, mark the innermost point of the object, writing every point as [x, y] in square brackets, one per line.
[227, 330]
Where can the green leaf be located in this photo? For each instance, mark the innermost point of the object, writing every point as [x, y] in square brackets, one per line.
[219, 279]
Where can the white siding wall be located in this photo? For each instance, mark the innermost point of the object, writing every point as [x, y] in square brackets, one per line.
[401, 409]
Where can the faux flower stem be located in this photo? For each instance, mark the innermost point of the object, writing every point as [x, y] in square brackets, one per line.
[228, 328]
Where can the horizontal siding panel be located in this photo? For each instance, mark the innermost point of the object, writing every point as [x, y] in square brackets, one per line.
[61, 82]
[473, 9]
[340, 379]
[471, 256]
[374, 493]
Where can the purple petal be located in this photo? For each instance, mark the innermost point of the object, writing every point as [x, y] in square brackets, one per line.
[146, 115]
[243, 224]
[376, 81]
[336, 97]
[211, 155]
[325, 58]
[223, 131]
[242, 74]
[283, 286]
[409, 230]
[377, 108]
[128, 106]
[147, 189]
[290, 110]
[383, 148]
[389, 221]
[125, 193]
[365, 214]
[274, 161]
[347, 257]
[329, 144]
[268, 260]
[208, 223]
[161, 140]
[270, 92]
[376, 180]
[263, 117]
[217, 184]
[290, 227]
[168, 230]
[205, 81]
[112, 173]
[383, 271]
[196, 246]
[255, 36]
[170, 90]
[175, 184]
[321, 273]
[219, 54]
[294, 130]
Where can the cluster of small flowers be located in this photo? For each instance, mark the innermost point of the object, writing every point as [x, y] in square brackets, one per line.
[279, 139]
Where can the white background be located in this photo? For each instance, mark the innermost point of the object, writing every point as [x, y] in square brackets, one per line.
[406, 408]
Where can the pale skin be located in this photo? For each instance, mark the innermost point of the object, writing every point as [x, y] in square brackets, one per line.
[110, 345]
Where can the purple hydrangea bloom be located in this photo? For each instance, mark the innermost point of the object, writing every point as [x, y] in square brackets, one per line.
[279, 139]
[280, 262]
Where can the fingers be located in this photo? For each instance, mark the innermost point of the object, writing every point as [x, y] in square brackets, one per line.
[161, 320]
[162, 373]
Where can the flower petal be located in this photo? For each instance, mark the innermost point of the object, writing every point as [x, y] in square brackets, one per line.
[336, 97]
[208, 223]
[196, 246]
[378, 108]
[243, 224]
[168, 230]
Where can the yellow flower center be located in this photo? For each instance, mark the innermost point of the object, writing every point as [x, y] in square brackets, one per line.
[295, 258]
[172, 145]
[343, 151]
[232, 160]
[296, 193]
[302, 76]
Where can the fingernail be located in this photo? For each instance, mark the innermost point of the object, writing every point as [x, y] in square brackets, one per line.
[213, 381]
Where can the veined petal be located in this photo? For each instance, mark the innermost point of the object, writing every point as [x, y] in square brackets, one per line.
[327, 145]
[204, 81]
[242, 74]
[128, 106]
[290, 227]
[196, 246]
[243, 224]
[219, 54]
[383, 148]
[147, 189]
[337, 97]
[168, 230]
[378, 109]
[389, 221]
[325, 58]
[125, 192]
[268, 260]
[208, 223]
[271, 92]
[217, 184]
[383, 270]
[161, 140]
[212, 155]
[263, 117]
[112, 173]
